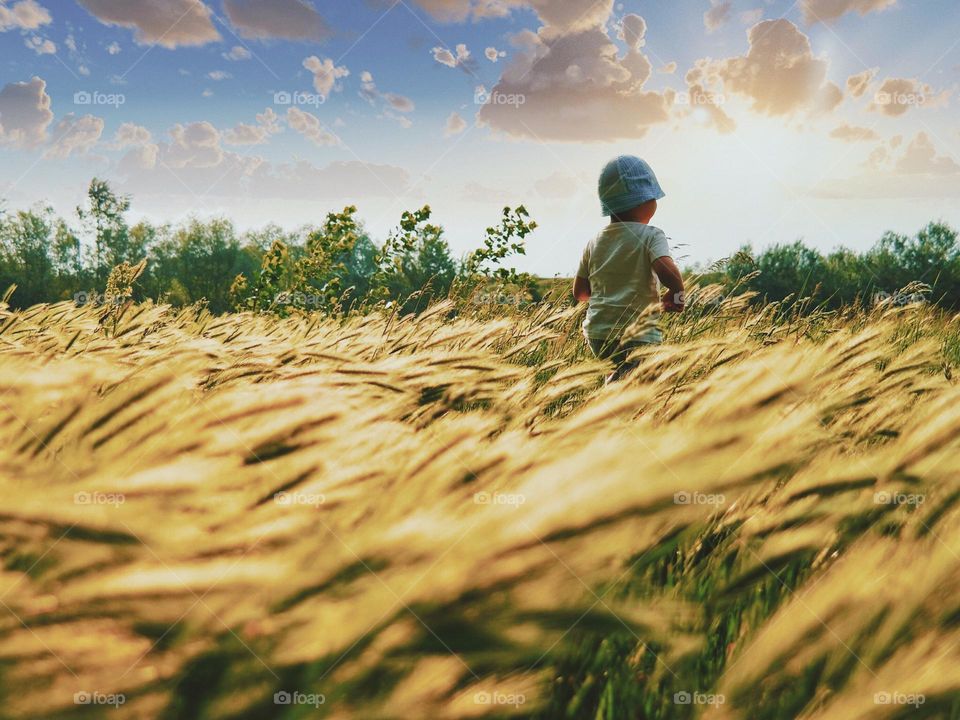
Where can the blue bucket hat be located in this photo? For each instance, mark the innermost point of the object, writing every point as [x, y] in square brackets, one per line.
[626, 182]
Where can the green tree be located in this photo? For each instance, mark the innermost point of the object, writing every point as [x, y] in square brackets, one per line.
[104, 220]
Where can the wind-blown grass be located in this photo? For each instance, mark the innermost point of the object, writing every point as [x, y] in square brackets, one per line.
[450, 515]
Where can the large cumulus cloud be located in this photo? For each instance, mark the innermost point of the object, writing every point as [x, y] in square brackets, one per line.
[289, 19]
[575, 85]
[25, 113]
[168, 23]
[779, 73]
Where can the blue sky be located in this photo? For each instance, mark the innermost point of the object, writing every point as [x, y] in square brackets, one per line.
[831, 120]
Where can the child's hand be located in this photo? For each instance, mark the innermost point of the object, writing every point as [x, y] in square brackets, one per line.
[671, 301]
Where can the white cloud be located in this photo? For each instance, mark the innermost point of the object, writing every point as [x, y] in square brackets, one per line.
[921, 157]
[455, 125]
[195, 145]
[445, 57]
[779, 73]
[717, 16]
[170, 23]
[918, 172]
[325, 74]
[669, 69]
[130, 134]
[139, 158]
[558, 186]
[237, 53]
[897, 95]
[41, 46]
[493, 55]
[268, 123]
[288, 19]
[852, 133]
[113, 48]
[219, 75]
[828, 10]
[73, 135]
[25, 113]
[575, 86]
[23, 15]
[561, 16]
[858, 84]
[400, 103]
[309, 125]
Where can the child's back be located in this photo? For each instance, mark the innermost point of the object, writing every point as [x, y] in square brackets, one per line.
[619, 264]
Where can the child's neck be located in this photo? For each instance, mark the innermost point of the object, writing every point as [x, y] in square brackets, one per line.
[627, 217]
[640, 214]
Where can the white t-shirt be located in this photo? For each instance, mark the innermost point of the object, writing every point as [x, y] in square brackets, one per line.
[618, 262]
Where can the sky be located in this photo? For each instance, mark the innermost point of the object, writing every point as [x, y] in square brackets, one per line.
[766, 121]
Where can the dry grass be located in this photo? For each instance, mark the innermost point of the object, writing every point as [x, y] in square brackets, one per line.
[471, 524]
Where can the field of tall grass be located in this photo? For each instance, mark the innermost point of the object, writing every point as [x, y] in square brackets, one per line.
[451, 516]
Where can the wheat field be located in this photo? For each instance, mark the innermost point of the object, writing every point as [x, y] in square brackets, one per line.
[451, 516]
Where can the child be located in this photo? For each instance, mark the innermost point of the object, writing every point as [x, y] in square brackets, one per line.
[620, 266]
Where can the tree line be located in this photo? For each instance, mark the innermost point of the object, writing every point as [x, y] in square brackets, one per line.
[335, 265]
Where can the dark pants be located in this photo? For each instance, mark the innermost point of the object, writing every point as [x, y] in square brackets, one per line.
[617, 353]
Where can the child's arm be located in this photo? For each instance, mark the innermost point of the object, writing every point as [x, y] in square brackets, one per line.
[666, 269]
[581, 289]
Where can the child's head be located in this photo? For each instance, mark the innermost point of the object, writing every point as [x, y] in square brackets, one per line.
[627, 184]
